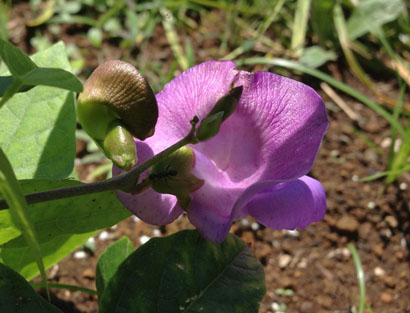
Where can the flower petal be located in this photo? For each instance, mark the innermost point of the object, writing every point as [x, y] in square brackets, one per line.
[211, 205]
[288, 205]
[151, 207]
[274, 133]
[193, 93]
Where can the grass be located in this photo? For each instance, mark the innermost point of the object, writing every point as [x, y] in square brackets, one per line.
[361, 280]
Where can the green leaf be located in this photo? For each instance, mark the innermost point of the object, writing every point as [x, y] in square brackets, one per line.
[76, 215]
[8, 230]
[369, 15]
[22, 261]
[316, 56]
[54, 77]
[37, 127]
[7, 81]
[95, 35]
[186, 273]
[16, 60]
[11, 191]
[322, 21]
[17, 296]
[109, 261]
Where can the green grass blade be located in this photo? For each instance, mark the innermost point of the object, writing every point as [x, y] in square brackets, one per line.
[400, 159]
[299, 26]
[341, 29]
[12, 193]
[367, 141]
[65, 286]
[386, 173]
[360, 277]
[246, 46]
[168, 22]
[331, 81]
[396, 115]
[269, 19]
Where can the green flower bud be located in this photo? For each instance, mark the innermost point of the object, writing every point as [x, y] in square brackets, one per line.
[228, 103]
[116, 90]
[209, 126]
[119, 146]
[223, 108]
[173, 176]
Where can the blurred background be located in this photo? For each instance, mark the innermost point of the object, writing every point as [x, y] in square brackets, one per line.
[354, 53]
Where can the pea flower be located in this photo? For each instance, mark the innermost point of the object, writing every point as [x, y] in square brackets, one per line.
[257, 162]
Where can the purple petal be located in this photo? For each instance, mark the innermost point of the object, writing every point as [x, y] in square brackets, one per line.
[149, 206]
[210, 211]
[291, 120]
[288, 205]
[274, 133]
[211, 206]
[193, 93]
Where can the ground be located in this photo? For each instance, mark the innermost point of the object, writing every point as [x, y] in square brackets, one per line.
[313, 266]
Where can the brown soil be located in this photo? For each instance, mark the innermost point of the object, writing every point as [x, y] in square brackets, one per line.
[314, 263]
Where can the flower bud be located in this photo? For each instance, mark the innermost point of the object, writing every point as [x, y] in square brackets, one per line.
[209, 126]
[223, 108]
[173, 176]
[116, 90]
[119, 146]
[228, 103]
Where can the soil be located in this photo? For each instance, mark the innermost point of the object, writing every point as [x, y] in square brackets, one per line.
[313, 266]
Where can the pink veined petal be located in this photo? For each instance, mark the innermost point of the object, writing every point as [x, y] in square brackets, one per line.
[151, 207]
[193, 93]
[291, 120]
[211, 206]
[274, 134]
[288, 205]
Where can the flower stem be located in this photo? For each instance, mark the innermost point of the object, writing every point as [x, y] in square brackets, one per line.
[125, 182]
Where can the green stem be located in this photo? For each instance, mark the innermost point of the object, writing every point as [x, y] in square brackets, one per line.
[64, 286]
[125, 182]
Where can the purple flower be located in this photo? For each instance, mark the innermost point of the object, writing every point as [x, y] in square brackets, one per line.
[254, 166]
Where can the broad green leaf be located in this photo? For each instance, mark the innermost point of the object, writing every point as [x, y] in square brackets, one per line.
[75, 215]
[21, 260]
[17, 296]
[369, 15]
[109, 261]
[8, 230]
[25, 70]
[11, 191]
[54, 77]
[186, 273]
[16, 60]
[37, 127]
[316, 56]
